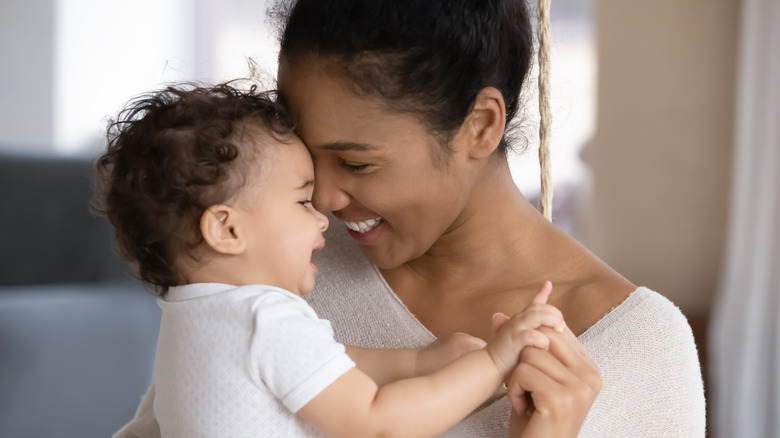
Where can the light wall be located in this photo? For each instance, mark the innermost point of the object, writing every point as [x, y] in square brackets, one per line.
[67, 65]
[26, 82]
[661, 155]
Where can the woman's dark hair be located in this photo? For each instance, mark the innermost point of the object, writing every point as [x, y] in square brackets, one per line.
[429, 58]
[172, 154]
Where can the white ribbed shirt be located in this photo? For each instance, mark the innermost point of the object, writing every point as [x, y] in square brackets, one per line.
[240, 361]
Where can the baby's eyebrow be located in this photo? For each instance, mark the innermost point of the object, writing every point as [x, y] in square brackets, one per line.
[348, 146]
[306, 184]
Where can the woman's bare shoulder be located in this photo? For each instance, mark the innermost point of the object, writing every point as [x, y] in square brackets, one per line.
[586, 302]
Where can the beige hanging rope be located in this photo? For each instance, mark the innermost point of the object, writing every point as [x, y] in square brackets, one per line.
[543, 35]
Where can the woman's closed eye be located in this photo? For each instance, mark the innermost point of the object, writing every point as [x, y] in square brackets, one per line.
[306, 202]
[354, 167]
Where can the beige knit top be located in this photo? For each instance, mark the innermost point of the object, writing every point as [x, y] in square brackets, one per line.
[644, 349]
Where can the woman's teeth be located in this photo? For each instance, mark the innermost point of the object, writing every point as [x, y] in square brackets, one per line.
[363, 226]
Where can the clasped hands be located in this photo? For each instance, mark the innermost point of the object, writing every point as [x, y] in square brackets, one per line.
[551, 382]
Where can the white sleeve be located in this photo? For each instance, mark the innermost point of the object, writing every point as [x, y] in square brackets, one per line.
[294, 351]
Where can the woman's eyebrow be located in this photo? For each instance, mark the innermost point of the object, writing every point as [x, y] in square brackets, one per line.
[339, 146]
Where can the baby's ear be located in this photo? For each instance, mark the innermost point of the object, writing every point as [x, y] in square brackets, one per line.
[219, 227]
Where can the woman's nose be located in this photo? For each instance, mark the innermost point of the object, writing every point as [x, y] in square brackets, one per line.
[328, 195]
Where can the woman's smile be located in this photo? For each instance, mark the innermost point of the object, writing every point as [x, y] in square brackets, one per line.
[365, 225]
[366, 232]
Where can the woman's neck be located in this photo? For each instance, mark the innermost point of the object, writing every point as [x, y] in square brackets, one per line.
[492, 244]
[494, 258]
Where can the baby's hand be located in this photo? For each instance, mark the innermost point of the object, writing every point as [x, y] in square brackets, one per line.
[521, 330]
[445, 350]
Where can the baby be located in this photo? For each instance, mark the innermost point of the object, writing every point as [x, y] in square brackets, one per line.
[210, 191]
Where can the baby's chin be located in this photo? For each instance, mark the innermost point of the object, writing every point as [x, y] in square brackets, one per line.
[305, 290]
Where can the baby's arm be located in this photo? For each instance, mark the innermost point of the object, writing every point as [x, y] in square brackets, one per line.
[385, 365]
[424, 406]
[144, 424]
[353, 406]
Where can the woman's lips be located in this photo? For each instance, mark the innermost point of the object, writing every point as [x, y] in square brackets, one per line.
[364, 226]
[371, 233]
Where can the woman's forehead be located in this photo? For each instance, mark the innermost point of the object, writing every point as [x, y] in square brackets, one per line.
[325, 110]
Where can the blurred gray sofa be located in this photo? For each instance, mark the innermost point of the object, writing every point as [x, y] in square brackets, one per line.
[77, 332]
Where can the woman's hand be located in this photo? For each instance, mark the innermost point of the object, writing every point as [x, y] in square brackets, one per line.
[552, 391]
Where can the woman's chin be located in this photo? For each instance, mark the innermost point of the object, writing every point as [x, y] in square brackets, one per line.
[382, 258]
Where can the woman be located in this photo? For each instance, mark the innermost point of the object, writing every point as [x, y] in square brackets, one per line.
[404, 107]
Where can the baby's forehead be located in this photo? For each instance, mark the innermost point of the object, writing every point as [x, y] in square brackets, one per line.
[265, 151]
[257, 134]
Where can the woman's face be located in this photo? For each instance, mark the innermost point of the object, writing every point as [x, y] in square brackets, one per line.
[375, 169]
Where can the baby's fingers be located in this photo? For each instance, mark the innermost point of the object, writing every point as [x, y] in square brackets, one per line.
[537, 316]
[505, 351]
[532, 338]
[543, 294]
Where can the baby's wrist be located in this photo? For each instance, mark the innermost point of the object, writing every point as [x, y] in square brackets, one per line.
[493, 352]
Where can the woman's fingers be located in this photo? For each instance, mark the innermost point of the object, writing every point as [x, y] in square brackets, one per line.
[518, 396]
[560, 400]
[518, 424]
[530, 378]
[561, 394]
[534, 361]
[571, 364]
[570, 352]
[552, 390]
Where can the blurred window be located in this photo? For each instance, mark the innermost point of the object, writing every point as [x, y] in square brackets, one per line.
[107, 51]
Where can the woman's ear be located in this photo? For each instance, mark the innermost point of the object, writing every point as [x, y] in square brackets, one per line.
[220, 230]
[484, 126]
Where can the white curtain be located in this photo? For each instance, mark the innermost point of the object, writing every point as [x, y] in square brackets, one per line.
[744, 398]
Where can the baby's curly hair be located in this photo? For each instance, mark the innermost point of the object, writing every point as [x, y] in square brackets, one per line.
[172, 154]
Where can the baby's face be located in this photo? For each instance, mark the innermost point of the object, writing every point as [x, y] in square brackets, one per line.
[282, 227]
